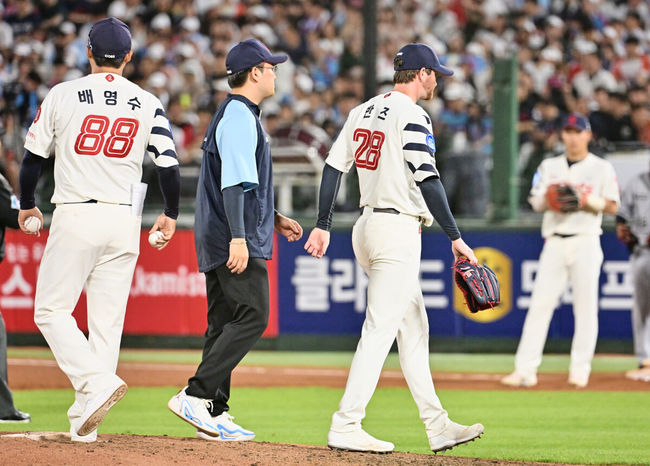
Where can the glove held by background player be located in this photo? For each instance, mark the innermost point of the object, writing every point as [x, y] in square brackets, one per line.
[562, 198]
[478, 283]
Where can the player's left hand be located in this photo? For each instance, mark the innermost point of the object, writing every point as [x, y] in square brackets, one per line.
[460, 249]
[167, 226]
[24, 215]
[287, 227]
[317, 242]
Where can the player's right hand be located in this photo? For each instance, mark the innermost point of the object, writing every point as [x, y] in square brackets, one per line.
[459, 248]
[317, 242]
[238, 259]
[24, 215]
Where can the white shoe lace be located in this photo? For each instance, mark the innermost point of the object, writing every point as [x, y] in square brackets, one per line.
[208, 405]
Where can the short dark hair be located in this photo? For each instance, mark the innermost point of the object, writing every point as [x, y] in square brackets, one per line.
[109, 62]
[406, 76]
[239, 79]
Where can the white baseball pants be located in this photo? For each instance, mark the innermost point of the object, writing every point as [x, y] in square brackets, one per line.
[95, 245]
[388, 247]
[640, 263]
[576, 260]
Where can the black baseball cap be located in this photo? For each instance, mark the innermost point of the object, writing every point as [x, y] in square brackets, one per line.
[109, 38]
[415, 56]
[576, 121]
[249, 53]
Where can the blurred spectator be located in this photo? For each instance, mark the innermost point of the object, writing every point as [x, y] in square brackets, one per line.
[544, 142]
[634, 66]
[622, 128]
[52, 14]
[602, 120]
[466, 133]
[27, 100]
[591, 73]
[23, 17]
[641, 122]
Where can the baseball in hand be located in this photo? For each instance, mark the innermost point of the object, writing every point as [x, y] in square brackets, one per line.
[154, 239]
[33, 224]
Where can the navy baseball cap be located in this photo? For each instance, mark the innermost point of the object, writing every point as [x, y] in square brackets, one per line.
[576, 121]
[416, 56]
[109, 38]
[249, 53]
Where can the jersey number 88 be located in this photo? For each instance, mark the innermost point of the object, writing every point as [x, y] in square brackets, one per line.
[91, 139]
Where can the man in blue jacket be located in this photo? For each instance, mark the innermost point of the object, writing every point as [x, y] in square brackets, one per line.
[235, 220]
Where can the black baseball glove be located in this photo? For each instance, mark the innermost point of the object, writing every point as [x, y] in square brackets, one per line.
[478, 283]
[626, 236]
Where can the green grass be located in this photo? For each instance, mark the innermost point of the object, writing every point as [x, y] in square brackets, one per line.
[562, 426]
[445, 362]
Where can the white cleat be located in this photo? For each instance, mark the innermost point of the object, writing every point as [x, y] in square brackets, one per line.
[578, 382]
[90, 438]
[357, 440]
[97, 407]
[454, 434]
[517, 380]
[640, 375]
[194, 411]
[228, 430]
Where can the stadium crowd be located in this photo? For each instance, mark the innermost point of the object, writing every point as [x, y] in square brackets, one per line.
[589, 56]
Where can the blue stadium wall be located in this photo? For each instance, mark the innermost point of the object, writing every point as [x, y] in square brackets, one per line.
[328, 296]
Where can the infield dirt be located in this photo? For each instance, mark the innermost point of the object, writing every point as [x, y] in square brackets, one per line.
[110, 449]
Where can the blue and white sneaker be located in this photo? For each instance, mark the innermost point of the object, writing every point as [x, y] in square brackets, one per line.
[228, 430]
[194, 411]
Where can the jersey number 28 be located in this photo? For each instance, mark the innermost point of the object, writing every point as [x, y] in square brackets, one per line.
[92, 137]
[368, 153]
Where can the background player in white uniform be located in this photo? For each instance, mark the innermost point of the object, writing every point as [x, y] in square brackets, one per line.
[571, 253]
[390, 140]
[633, 228]
[99, 127]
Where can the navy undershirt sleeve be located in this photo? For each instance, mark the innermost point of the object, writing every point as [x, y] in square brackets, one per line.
[434, 196]
[329, 187]
[30, 171]
[233, 203]
[170, 185]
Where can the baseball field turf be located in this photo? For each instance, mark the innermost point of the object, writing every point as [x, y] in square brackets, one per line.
[555, 426]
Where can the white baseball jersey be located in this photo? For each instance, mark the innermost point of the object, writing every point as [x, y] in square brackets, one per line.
[592, 175]
[635, 206]
[100, 126]
[390, 140]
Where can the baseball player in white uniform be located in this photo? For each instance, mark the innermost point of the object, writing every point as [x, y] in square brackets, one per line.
[99, 127]
[571, 254]
[390, 139]
[633, 228]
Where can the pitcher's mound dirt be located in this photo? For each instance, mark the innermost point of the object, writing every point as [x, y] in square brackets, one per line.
[40, 448]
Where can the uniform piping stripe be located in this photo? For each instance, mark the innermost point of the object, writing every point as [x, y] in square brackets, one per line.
[425, 167]
[431, 175]
[417, 146]
[416, 127]
[159, 111]
[162, 131]
[154, 150]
